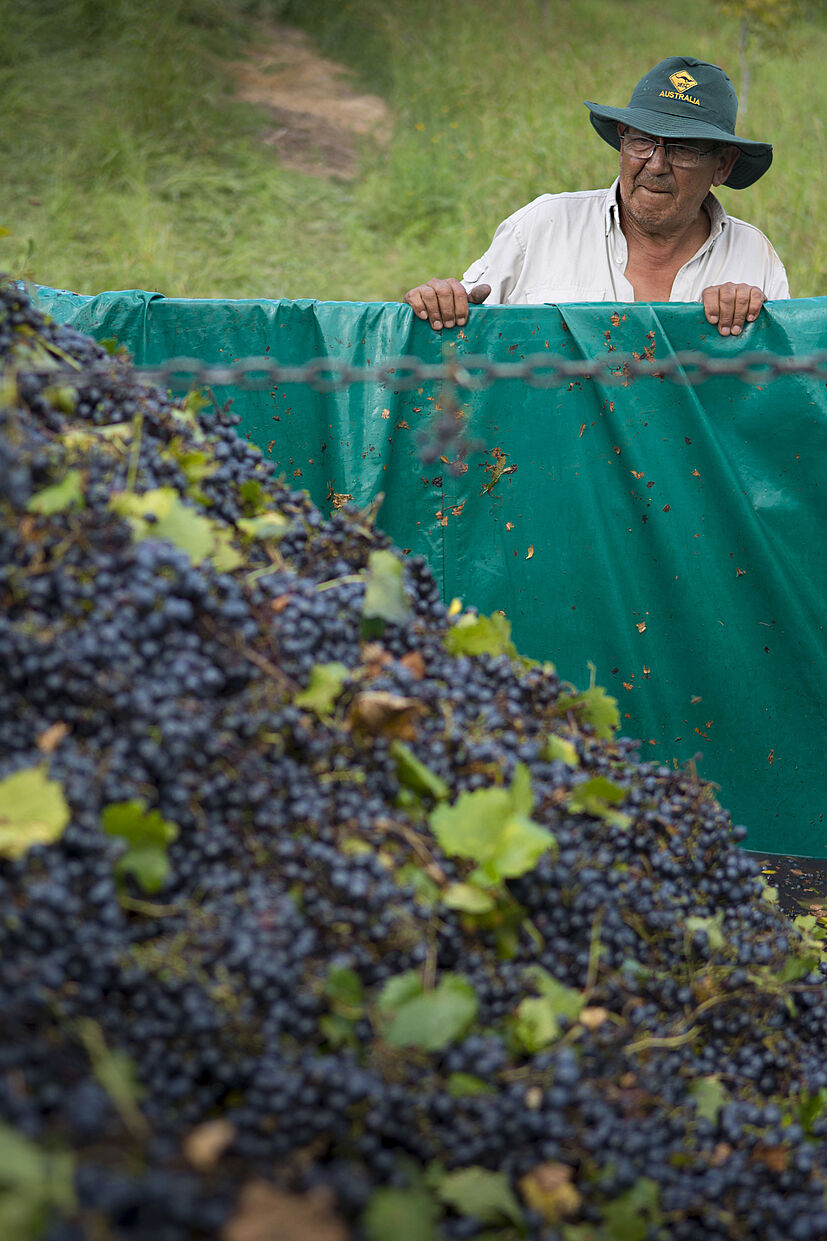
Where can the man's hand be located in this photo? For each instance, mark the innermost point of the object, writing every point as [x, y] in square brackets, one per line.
[444, 302]
[731, 305]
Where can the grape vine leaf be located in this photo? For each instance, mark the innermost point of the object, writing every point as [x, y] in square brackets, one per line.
[345, 992]
[492, 827]
[467, 898]
[538, 1018]
[593, 706]
[558, 748]
[549, 1189]
[428, 1020]
[61, 496]
[415, 775]
[33, 811]
[712, 926]
[480, 635]
[385, 599]
[485, 1195]
[147, 835]
[162, 514]
[269, 525]
[631, 1216]
[710, 1095]
[401, 1215]
[463, 1085]
[33, 1184]
[326, 681]
[598, 797]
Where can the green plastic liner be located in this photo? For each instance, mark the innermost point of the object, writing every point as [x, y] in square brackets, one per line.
[673, 536]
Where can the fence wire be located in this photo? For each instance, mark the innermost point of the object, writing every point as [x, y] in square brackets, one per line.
[474, 371]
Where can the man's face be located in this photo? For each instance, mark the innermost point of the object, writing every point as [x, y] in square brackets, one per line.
[659, 195]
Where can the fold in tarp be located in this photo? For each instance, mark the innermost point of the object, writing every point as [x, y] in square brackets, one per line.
[671, 535]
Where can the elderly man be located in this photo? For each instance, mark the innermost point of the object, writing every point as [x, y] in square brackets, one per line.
[657, 235]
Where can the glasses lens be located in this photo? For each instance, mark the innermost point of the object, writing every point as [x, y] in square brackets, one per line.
[678, 155]
[683, 157]
[640, 148]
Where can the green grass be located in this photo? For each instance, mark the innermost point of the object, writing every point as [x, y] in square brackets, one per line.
[130, 164]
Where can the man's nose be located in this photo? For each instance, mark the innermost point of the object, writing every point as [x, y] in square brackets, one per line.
[657, 161]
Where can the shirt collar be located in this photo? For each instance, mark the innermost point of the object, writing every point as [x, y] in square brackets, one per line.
[611, 207]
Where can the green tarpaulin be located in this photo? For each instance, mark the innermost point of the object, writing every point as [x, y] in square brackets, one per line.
[671, 535]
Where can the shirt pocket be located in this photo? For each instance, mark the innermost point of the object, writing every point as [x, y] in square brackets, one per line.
[543, 293]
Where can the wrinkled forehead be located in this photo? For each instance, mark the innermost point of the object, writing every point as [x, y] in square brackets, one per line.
[702, 144]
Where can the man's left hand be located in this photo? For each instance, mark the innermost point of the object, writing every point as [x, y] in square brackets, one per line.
[730, 306]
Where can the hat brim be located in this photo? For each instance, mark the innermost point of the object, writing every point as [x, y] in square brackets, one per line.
[753, 161]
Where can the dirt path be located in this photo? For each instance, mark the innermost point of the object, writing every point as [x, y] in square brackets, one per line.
[319, 122]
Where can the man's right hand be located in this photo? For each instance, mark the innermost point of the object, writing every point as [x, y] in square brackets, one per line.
[444, 303]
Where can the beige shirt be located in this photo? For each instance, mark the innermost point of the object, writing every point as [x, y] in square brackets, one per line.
[570, 248]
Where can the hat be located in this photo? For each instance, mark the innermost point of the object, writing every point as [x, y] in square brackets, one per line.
[686, 98]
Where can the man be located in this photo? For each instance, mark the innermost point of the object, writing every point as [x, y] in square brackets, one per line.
[658, 234]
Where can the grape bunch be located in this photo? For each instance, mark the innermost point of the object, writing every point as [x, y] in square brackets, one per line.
[324, 914]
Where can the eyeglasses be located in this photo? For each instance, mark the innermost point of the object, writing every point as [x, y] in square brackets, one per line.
[677, 155]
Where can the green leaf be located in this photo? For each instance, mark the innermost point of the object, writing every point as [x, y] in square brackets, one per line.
[433, 1019]
[480, 635]
[401, 1215]
[630, 1217]
[33, 1183]
[326, 681]
[414, 774]
[195, 463]
[710, 1095]
[398, 990]
[425, 891]
[147, 835]
[712, 926]
[538, 1018]
[558, 747]
[483, 1194]
[491, 827]
[252, 496]
[224, 555]
[468, 899]
[798, 966]
[595, 707]
[345, 992]
[62, 397]
[56, 499]
[466, 1085]
[33, 811]
[162, 514]
[598, 797]
[270, 525]
[385, 599]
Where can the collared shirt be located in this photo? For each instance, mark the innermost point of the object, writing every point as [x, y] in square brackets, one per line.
[570, 248]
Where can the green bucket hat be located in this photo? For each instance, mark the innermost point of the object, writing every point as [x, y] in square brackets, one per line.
[686, 98]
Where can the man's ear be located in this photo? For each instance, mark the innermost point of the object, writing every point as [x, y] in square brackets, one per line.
[726, 162]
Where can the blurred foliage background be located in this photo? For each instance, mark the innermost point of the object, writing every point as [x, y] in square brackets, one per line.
[131, 161]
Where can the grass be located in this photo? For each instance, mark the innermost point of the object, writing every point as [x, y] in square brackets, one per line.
[131, 164]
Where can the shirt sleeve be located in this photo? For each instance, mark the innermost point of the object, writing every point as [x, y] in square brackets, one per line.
[500, 266]
[778, 286]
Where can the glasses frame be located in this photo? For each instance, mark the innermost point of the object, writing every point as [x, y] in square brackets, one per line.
[665, 147]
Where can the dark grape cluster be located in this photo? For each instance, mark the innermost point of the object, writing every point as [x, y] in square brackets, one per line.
[320, 906]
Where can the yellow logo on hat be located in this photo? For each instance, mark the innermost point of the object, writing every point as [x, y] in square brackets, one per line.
[682, 81]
